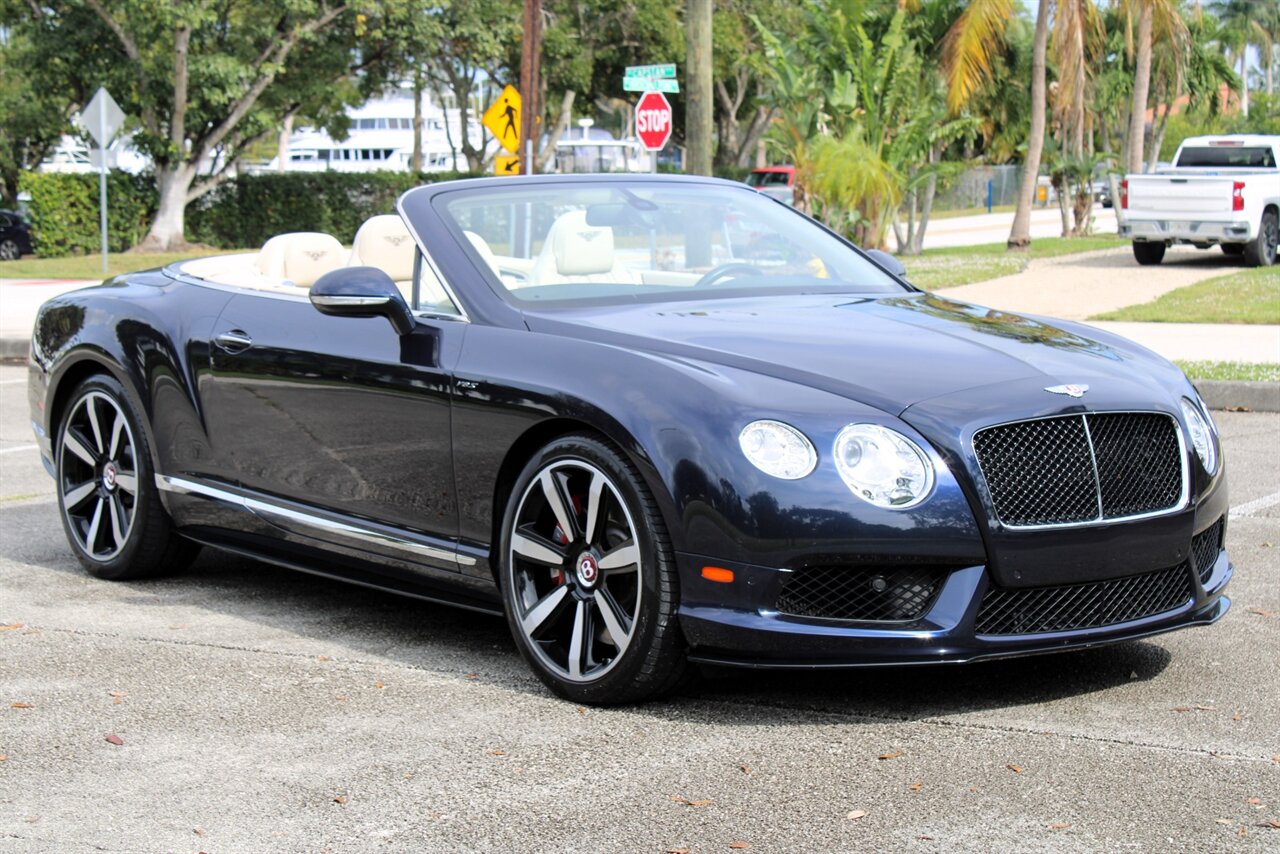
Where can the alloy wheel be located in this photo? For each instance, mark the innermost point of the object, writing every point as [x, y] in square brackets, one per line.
[97, 475]
[9, 251]
[574, 565]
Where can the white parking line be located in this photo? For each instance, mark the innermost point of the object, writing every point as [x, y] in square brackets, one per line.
[1251, 507]
[19, 448]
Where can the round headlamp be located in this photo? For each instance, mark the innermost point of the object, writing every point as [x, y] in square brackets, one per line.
[882, 466]
[1198, 425]
[778, 449]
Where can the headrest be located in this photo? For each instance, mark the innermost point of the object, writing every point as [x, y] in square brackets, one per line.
[483, 248]
[384, 242]
[581, 249]
[308, 257]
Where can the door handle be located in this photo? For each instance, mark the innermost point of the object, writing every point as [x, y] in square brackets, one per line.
[233, 341]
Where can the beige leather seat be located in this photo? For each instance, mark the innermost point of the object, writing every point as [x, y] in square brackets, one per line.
[384, 242]
[578, 252]
[300, 257]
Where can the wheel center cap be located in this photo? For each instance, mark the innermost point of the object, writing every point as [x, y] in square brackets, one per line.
[588, 570]
[109, 472]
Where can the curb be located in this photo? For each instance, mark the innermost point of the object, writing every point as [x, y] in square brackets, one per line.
[1219, 394]
[1239, 395]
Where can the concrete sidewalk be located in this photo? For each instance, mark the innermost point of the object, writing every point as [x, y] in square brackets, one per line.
[19, 300]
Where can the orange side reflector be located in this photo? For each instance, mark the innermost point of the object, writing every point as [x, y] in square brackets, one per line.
[717, 573]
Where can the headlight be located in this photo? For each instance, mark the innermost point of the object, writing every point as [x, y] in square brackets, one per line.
[882, 466]
[1201, 436]
[778, 449]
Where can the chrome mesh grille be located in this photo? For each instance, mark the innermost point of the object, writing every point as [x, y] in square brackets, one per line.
[1092, 605]
[870, 594]
[1204, 550]
[1081, 468]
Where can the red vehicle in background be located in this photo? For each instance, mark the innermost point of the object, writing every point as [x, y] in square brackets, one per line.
[775, 181]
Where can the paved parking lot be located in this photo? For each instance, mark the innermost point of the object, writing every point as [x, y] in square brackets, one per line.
[261, 710]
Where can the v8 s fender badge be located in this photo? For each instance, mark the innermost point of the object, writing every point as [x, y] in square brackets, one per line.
[1070, 390]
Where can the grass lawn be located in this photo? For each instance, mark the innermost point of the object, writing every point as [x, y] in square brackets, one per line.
[1255, 372]
[1247, 296]
[90, 266]
[964, 265]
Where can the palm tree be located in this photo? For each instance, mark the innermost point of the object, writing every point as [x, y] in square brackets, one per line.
[1020, 234]
[1077, 42]
[1244, 22]
[1153, 16]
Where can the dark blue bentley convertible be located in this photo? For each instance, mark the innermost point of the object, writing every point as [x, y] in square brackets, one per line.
[650, 420]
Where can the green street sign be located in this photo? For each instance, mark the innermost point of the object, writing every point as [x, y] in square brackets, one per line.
[650, 84]
[666, 70]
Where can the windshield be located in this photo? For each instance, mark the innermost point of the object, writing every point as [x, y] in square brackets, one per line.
[631, 241]
[1228, 157]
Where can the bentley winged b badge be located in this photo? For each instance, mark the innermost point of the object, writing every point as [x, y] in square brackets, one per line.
[1070, 389]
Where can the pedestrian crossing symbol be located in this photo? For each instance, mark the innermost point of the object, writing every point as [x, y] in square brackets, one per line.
[503, 119]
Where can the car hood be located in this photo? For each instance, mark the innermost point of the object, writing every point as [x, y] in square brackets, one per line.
[889, 352]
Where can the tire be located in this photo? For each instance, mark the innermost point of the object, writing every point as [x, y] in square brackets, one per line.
[107, 496]
[593, 613]
[1233, 250]
[9, 250]
[1261, 251]
[1148, 253]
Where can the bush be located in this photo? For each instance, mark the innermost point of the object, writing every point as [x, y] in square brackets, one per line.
[248, 210]
[63, 211]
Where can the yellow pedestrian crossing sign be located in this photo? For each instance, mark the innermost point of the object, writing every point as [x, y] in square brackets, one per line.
[507, 164]
[503, 119]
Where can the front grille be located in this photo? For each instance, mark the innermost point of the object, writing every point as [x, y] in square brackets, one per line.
[1081, 468]
[1092, 605]
[868, 594]
[1204, 550]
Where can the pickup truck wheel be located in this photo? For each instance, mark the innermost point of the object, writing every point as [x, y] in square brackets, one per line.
[1234, 250]
[1261, 251]
[1148, 253]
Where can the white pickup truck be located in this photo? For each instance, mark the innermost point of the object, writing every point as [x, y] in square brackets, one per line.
[1222, 190]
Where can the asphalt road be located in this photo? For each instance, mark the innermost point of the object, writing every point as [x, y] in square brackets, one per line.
[261, 710]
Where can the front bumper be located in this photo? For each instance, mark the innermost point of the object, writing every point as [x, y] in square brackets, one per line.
[947, 632]
[1184, 231]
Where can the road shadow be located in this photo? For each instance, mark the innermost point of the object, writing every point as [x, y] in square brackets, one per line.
[343, 621]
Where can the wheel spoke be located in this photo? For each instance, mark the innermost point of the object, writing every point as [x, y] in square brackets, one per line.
[117, 428]
[74, 497]
[551, 490]
[92, 537]
[530, 549]
[579, 641]
[543, 610]
[127, 481]
[92, 410]
[623, 557]
[618, 624]
[118, 529]
[75, 446]
[593, 507]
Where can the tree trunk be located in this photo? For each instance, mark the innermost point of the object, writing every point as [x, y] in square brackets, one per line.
[415, 162]
[1141, 87]
[1063, 188]
[1020, 234]
[699, 106]
[1244, 82]
[1157, 135]
[282, 148]
[168, 229]
[926, 207]
[548, 152]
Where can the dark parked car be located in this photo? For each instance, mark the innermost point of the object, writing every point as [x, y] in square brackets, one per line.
[15, 236]
[566, 400]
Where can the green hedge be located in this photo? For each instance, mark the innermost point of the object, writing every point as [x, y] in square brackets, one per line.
[64, 211]
[246, 211]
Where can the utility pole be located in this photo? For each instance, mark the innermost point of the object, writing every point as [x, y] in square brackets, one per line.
[530, 77]
[698, 99]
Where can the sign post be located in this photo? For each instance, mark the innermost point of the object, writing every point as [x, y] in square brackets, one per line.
[653, 123]
[101, 119]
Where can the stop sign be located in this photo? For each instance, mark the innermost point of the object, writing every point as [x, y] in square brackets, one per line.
[653, 120]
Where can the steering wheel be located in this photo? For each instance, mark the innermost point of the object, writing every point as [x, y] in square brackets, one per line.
[731, 270]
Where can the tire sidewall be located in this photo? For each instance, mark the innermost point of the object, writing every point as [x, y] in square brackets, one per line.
[120, 565]
[619, 682]
[9, 250]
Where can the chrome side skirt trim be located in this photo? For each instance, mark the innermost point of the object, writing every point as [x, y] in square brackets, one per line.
[278, 513]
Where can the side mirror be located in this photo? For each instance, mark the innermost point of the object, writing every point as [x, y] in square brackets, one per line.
[889, 262]
[362, 292]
